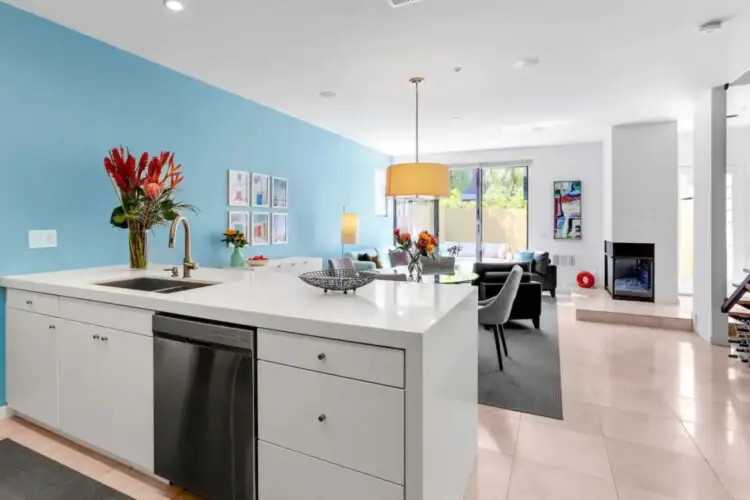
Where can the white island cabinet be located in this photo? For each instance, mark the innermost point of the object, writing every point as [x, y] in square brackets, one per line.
[367, 396]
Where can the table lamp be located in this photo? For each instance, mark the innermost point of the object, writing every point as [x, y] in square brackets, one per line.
[349, 229]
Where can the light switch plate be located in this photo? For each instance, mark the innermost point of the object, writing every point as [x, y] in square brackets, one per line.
[45, 238]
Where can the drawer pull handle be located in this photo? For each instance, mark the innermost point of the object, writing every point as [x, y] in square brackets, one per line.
[104, 339]
[322, 356]
[51, 327]
[322, 417]
[95, 337]
[29, 302]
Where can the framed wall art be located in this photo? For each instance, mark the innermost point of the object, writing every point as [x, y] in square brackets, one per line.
[239, 221]
[280, 193]
[261, 228]
[238, 188]
[260, 191]
[568, 210]
[279, 229]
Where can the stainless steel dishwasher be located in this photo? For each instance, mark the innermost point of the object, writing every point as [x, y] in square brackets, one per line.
[204, 407]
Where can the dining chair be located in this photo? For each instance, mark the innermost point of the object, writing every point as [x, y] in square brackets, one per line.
[398, 258]
[341, 264]
[495, 311]
[391, 277]
[438, 263]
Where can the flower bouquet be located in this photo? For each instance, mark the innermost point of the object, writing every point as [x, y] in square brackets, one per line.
[238, 240]
[424, 246]
[145, 190]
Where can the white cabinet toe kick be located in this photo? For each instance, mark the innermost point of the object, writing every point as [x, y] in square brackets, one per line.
[336, 419]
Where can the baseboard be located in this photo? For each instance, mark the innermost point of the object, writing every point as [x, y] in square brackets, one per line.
[5, 412]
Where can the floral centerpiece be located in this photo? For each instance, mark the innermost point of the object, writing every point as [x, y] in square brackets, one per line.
[424, 246]
[145, 189]
[238, 240]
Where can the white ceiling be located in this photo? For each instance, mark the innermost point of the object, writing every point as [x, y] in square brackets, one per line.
[603, 62]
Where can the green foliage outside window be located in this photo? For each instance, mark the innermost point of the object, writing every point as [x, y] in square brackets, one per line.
[503, 188]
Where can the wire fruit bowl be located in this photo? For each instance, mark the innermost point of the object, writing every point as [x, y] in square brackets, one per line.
[340, 280]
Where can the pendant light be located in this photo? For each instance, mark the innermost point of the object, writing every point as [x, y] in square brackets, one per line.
[417, 180]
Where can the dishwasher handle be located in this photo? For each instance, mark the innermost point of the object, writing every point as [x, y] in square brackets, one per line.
[203, 331]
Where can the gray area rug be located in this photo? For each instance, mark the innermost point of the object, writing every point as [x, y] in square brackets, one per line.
[531, 380]
[27, 475]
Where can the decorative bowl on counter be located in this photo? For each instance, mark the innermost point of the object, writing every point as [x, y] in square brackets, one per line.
[257, 261]
[340, 280]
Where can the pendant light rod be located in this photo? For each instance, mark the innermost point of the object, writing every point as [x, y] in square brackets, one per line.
[416, 81]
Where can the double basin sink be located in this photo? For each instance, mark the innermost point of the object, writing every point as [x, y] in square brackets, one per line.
[157, 285]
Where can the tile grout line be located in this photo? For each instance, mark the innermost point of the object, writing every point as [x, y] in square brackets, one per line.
[705, 459]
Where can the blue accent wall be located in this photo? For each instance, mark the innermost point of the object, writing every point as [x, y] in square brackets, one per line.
[66, 98]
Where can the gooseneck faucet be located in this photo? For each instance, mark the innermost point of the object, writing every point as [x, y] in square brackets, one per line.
[188, 265]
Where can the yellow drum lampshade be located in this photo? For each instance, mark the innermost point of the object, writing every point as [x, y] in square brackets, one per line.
[418, 180]
[349, 228]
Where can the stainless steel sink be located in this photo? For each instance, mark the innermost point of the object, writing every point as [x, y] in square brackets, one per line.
[157, 285]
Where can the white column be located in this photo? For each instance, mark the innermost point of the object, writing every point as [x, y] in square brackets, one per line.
[644, 196]
[710, 273]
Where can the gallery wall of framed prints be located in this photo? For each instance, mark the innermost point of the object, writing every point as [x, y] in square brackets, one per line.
[262, 191]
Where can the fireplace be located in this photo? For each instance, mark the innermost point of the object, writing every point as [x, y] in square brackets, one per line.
[629, 270]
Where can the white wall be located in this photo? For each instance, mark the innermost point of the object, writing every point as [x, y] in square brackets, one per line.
[548, 164]
[710, 159]
[738, 165]
[607, 188]
[644, 196]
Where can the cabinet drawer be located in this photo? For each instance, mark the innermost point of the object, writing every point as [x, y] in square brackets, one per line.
[354, 424]
[127, 319]
[286, 475]
[381, 365]
[39, 303]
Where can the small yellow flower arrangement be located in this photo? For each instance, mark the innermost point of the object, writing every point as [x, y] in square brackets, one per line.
[235, 238]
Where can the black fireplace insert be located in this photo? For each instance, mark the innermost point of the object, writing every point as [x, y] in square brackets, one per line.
[629, 270]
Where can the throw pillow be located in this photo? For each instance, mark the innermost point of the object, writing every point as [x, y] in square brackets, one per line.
[524, 256]
[376, 260]
[541, 262]
[363, 257]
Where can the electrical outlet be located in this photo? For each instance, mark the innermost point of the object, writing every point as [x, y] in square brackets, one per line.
[46, 238]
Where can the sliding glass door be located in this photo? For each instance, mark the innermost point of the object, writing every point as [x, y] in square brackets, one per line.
[485, 217]
[504, 222]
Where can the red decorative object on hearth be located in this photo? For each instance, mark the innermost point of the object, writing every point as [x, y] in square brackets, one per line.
[585, 279]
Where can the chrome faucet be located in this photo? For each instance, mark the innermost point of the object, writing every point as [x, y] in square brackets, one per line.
[188, 265]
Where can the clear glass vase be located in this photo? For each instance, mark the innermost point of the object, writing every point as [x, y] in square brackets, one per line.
[138, 245]
[415, 268]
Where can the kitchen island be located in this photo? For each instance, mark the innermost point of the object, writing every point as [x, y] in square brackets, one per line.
[392, 366]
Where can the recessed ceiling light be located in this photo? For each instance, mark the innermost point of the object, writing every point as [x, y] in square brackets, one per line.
[175, 5]
[711, 27]
[328, 94]
[526, 62]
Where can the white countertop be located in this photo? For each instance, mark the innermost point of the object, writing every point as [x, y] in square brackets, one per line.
[394, 312]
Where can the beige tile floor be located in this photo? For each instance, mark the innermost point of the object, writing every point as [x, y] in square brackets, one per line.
[649, 415]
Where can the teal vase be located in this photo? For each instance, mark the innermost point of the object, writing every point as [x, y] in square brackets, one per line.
[238, 260]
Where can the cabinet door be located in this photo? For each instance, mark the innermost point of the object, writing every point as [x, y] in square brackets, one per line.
[129, 398]
[32, 365]
[82, 388]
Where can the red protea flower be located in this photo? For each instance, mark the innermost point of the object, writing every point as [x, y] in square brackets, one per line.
[153, 190]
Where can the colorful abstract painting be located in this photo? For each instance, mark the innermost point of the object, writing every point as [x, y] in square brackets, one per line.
[568, 210]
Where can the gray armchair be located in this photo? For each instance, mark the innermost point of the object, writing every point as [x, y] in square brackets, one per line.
[495, 311]
[341, 264]
[438, 262]
[398, 258]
